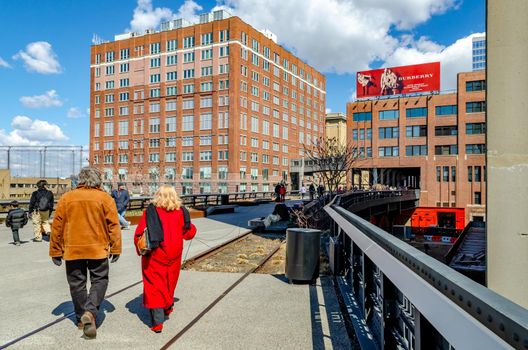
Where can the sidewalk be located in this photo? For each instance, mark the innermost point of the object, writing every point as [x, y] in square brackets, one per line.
[262, 312]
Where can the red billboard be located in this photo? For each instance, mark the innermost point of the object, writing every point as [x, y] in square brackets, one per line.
[398, 80]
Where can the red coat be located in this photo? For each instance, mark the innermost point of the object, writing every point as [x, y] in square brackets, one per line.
[161, 268]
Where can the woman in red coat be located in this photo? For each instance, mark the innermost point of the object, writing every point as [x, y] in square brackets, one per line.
[161, 267]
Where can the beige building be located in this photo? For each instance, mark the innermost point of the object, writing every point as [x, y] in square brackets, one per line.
[335, 126]
[20, 188]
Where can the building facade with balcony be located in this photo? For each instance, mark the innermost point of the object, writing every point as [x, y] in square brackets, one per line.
[216, 106]
[435, 142]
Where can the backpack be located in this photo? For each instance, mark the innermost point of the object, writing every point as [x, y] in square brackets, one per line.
[43, 203]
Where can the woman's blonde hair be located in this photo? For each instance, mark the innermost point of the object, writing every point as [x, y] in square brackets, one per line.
[167, 198]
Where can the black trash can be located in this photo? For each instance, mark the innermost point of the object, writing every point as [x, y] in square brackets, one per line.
[302, 254]
[224, 199]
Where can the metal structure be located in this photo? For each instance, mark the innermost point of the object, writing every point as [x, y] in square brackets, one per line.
[401, 298]
[192, 200]
[43, 161]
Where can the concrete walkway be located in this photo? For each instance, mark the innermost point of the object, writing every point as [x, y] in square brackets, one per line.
[262, 312]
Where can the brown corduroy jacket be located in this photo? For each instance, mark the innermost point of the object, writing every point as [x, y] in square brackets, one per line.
[86, 226]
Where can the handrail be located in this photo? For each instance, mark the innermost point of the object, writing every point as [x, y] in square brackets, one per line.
[504, 318]
[193, 200]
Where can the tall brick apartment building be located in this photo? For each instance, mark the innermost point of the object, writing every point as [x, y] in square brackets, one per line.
[435, 142]
[211, 107]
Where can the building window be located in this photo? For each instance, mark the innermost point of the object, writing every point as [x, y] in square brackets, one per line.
[188, 104]
[172, 60]
[206, 155]
[188, 123]
[470, 174]
[475, 128]
[477, 85]
[206, 102]
[388, 115]
[187, 173]
[206, 121]
[388, 151]
[478, 177]
[475, 149]
[188, 73]
[453, 174]
[416, 150]
[416, 131]
[155, 62]
[476, 107]
[446, 174]
[187, 156]
[477, 198]
[155, 78]
[205, 172]
[438, 174]
[170, 124]
[109, 129]
[354, 134]
[188, 42]
[154, 107]
[416, 112]
[123, 127]
[446, 110]
[362, 116]
[388, 133]
[154, 48]
[446, 150]
[172, 45]
[446, 130]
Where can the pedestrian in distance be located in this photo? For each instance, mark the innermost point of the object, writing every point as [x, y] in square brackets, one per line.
[277, 192]
[311, 189]
[282, 192]
[121, 198]
[40, 209]
[16, 219]
[167, 223]
[86, 236]
[303, 191]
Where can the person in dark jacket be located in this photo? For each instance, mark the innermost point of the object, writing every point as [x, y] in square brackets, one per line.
[311, 189]
[40, 209]
[277, 192]
[16, 219]
[121, 197]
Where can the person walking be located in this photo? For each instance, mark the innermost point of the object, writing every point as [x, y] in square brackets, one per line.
[303, 191]
[311, 189]
[121, 198]
[277, 192]
[40, 209]
[16, 219]
[282, 192]
[168, 224]
[86, 236]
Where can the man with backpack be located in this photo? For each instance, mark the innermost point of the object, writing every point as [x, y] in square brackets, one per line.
[16, 219]
[40, 208]
[121, 198]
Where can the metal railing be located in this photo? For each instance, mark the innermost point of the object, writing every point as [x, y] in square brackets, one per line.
[381, 271]
[191, 200]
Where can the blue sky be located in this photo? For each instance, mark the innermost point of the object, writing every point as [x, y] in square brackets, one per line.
[337, 37]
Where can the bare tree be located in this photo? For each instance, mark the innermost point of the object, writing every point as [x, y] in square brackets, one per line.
[332, 160]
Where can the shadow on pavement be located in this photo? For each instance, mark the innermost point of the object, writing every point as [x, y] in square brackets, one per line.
[66, 307]
[135, 306]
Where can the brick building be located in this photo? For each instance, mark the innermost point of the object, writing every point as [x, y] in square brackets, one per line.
[434, 141]
[211, 107]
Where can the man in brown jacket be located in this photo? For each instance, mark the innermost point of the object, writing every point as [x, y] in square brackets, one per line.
[86, 233]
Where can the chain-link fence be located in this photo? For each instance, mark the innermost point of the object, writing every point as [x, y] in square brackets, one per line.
[43, 161]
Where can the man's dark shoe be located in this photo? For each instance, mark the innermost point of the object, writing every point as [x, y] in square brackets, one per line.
[89, 328]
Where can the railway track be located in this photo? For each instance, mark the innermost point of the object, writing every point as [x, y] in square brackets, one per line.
[189, 262]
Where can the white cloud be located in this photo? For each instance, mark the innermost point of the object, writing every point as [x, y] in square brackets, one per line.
[39, 57]
[74, 113]
[48, 99]
[453, 59]
[337, 36]
[328, 110]
[146, 16]
[4, 63]
[26, 131]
